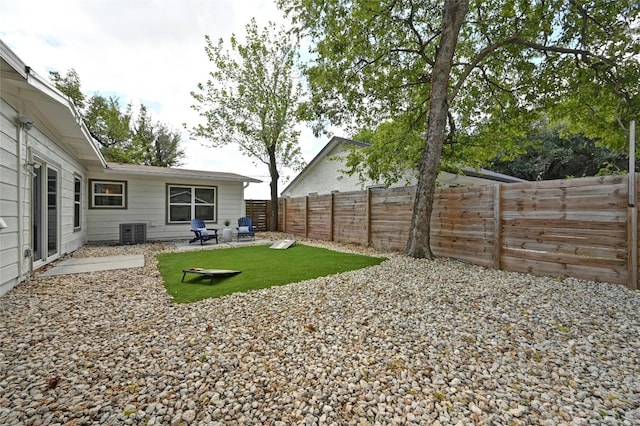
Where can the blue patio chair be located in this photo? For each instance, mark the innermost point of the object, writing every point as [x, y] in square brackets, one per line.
[245, 228]
[202, 233]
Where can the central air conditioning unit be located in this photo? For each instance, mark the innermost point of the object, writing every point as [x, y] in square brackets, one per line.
[133, 233]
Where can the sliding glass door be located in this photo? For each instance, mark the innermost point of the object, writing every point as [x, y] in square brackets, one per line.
[44, 212]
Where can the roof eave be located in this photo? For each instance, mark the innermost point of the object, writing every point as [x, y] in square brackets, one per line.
[199, 175]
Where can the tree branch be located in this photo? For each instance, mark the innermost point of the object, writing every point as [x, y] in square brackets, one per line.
[583, 54]
[476, 61]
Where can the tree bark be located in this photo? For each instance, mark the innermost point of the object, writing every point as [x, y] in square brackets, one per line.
[418, 244]
[273, 172]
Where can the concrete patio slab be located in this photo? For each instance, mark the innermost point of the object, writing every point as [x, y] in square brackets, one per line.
[90, 264]
[209, 245]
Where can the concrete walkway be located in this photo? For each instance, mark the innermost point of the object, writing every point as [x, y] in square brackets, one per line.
[90, 264]
[185, 246]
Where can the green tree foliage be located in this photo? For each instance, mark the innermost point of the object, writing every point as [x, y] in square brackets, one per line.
[70, 86]
[252, 100]
[121, 139]
[470, 73]
[153, 144]
[547, 154]
[165, 151]
[391, 141]
[111, 128]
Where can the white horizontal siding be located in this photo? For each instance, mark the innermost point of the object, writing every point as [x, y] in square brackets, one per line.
[9, 247]
[326, 176]
[16, 181]
[147, 203]
[73, 239]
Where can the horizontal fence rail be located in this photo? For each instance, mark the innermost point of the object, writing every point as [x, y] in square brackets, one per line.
[582, 228]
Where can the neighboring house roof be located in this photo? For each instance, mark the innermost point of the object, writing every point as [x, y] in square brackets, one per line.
[488, 174]
[47, 107]
[137, 169]
[448, 178]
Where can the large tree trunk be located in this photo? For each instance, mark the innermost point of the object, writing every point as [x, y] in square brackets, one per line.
[275, 176]
[418, 244]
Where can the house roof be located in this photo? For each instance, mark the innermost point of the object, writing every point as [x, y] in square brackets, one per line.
[51, 111]
[336, 140]
[488, 174]
[137, 169]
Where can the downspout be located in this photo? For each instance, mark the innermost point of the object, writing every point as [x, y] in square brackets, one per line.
[20, 176]
[243, 206]
[24, 174]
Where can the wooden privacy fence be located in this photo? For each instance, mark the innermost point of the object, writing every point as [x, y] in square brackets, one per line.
[582, 228]
[260, 213]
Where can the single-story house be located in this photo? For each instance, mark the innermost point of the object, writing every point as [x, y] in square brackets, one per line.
[57, 192]
[324, 174]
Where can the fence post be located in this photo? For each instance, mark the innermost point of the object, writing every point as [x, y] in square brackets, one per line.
[632, 235]
[632, 214]
[368, 213]
[267, 212]
[306, 216]
[284, 215]
[497, 226]
[632, 249]
[331, 212]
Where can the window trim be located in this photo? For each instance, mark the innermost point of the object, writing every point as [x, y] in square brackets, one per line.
[77, 202]
[192, 204]
[92, 194]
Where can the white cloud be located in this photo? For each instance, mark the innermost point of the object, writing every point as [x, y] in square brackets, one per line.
[143, 51]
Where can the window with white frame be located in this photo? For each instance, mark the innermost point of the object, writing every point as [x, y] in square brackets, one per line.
[111, 194]
[77, 202]
[189, 202]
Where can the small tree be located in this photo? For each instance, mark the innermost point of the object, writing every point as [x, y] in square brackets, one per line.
[153, 143]
[121, 140]
[252, 100]
[110, 127]
[70, 86]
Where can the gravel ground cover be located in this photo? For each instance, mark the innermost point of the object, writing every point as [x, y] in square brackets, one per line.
[406, 342]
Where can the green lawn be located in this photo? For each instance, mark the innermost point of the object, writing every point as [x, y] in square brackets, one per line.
[261, 267]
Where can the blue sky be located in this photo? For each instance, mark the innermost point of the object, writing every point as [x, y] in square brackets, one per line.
[143, 51]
